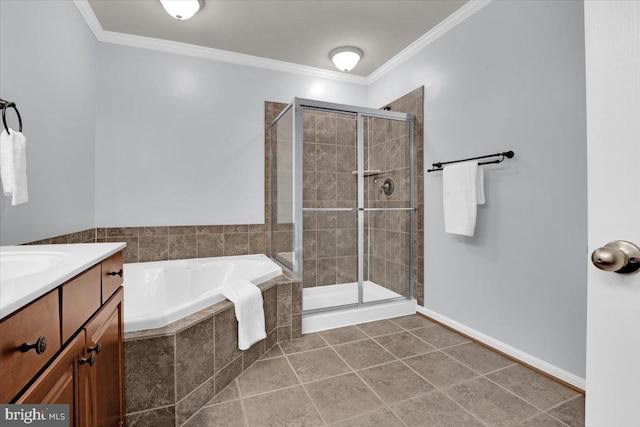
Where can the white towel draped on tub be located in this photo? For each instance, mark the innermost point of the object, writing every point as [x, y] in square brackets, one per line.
[247, 299]
[13, 166]
[462, 190]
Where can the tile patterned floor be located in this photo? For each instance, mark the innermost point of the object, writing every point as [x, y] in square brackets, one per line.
[406, 371]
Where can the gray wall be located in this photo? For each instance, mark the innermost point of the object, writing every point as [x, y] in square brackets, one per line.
[47, 67]
[180, 140]
[511, 76]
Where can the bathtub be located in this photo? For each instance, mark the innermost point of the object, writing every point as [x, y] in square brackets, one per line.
[158, 293]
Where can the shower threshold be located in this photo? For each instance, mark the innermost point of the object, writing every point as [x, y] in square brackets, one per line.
[339, 302]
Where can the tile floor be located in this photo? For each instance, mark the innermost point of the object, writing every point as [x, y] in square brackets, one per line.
[406, 371]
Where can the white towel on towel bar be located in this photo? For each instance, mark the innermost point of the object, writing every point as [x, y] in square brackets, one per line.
[480, 185]
[462, 190]
[247, 300]
[13, 166]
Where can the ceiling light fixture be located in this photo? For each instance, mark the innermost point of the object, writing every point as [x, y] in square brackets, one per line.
[346, 57]
[182, 9]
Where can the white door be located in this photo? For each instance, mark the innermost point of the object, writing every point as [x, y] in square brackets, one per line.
[612, 31]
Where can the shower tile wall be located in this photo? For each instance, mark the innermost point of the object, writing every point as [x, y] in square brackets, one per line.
[330, 238]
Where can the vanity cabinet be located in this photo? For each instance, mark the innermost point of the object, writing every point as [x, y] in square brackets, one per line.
[87, 372]
[102, 384]
[60, 382]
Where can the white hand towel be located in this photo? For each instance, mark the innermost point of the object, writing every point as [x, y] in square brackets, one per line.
[461, 195]
[480, 186]
[247, 300]
[13, 166]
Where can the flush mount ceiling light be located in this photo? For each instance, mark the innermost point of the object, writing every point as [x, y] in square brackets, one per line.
[182, 9]
[346, 57]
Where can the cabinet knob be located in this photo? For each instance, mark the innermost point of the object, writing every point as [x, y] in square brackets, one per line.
[115, 273]
[91, 360]
[39, 346]
[97, 348]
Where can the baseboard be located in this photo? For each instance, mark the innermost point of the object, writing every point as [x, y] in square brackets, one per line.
[514, 353]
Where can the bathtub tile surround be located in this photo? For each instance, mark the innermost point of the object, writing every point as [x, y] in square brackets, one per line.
[314, 382]
[182, 242]
[172, 372]
[194, 356]
[149, 381]
[175, 242]
[83, 236]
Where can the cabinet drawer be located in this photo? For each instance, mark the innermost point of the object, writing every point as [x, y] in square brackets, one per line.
[80, 299]
[39, 319]
[111, 282]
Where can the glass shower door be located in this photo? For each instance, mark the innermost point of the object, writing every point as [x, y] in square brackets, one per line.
[282, 186]
[329, 205]
[388, 209]
[342, 199]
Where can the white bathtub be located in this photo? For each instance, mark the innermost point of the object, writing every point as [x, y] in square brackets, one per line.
[161, 292]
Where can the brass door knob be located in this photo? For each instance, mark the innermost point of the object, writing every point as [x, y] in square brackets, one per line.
[619, 256]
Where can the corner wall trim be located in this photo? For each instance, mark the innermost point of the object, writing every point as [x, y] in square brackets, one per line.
[526, 358]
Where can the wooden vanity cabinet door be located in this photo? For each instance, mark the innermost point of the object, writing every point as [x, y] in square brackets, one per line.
[60, 382]
[105, 380]
[39, 319]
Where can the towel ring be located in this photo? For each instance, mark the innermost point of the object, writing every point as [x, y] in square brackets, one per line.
[4, 119]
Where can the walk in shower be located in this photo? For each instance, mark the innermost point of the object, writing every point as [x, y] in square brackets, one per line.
[342, 210]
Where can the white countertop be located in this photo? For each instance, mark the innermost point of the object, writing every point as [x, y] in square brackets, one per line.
[28, 272]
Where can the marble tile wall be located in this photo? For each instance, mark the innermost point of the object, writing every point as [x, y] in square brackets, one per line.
[172, 372]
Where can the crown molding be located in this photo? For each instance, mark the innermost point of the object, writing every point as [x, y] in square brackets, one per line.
[87, 13]
[195, 51]
[225, 56]
[429, 37]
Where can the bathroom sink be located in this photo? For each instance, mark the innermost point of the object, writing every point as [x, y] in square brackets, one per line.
[18, 264]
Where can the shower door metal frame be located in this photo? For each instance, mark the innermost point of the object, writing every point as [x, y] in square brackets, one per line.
[299, 104]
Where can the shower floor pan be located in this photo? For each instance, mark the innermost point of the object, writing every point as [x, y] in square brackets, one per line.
[325, 297]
